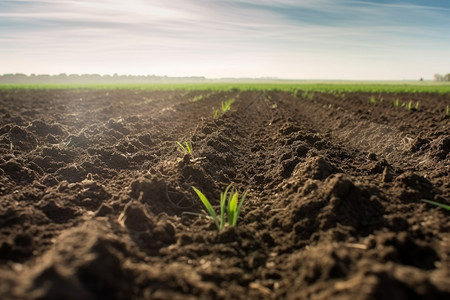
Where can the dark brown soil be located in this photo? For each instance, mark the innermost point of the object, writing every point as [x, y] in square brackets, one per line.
[93, 192]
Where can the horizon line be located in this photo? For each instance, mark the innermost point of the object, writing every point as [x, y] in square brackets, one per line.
[203, 78]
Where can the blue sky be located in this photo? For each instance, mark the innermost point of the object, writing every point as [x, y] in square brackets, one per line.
[303, 39]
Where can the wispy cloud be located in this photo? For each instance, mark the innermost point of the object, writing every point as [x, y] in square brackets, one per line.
[172, 36]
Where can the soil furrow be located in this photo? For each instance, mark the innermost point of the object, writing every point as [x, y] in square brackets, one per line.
[97, 201]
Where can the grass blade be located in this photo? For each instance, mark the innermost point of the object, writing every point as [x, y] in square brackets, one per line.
[232, 206]
[208, 207]
[229, 206]
[188, 147]
[222, 209]
[181, 147]
[238, 210]
[447, 207]
[223, 200]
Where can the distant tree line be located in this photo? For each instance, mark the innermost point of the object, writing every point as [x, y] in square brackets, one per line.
[91, 78]
[440, 78]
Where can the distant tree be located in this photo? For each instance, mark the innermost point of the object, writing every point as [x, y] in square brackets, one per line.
[447, 77]
[438, 77]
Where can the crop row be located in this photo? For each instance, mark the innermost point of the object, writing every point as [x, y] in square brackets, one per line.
[289, 86]
[229, 204]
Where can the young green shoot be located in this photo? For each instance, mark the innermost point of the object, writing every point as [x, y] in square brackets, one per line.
[374, 100]
[229, 205]
[410, 105]
[396, 103]
[226, 106]
[447, 111]
[186, 148]
[447, 207]
[197, 98]
[216, 114]
[308, 95]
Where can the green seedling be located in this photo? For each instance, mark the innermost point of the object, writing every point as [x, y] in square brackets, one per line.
[396, 103]
[229, 204]
[447, 111]
[447, 207]
[197, 98]
[308, 96]
[374, 100]
[410, 105]
[186, 148]
[226, 106]
[216, 114]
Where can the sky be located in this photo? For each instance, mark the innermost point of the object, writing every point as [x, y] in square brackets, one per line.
[286, 39]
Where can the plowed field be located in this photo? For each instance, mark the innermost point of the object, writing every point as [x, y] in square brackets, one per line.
[93, 190]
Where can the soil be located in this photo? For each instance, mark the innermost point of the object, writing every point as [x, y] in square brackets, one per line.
[94, 193]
